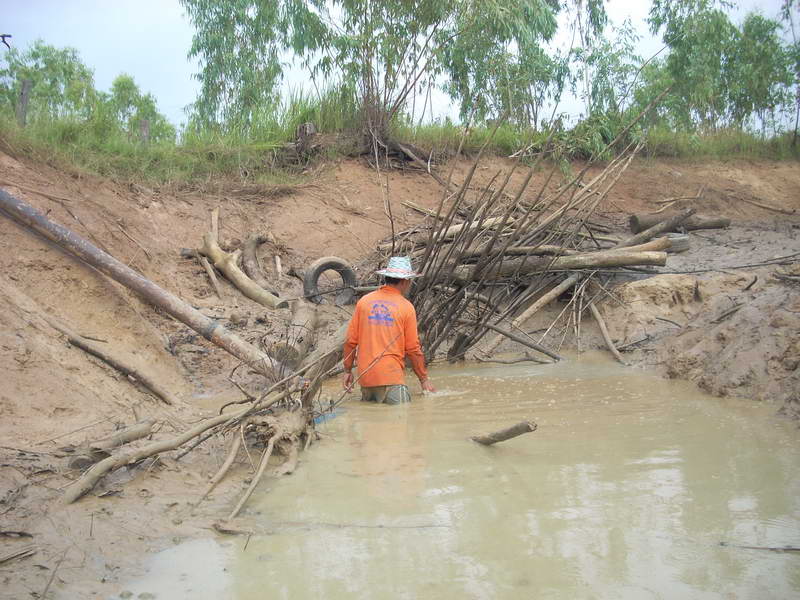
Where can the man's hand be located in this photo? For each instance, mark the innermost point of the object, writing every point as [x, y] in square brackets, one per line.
[347, 383]
[427, 386]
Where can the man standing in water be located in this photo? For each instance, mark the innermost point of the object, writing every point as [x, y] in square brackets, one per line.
[384, 330]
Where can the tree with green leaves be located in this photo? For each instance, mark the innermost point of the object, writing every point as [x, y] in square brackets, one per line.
[385, 50]
[62, 84]
[130, 108]
[724, 74]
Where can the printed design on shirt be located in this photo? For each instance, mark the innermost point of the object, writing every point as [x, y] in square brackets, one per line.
[381, 314]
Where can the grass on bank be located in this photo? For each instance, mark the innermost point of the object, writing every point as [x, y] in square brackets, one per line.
[255, 155]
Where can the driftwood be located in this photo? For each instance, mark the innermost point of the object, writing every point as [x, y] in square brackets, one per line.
[226, 263]
[505, 434]
[639, 223]
[636, 240]
[211, 275]
[604, 331]
[299, 336]
[28, 216]
[250, 261]
[286, 426]
[99, 449]
[133, 455]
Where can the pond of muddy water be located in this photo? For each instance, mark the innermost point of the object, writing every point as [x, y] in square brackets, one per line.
[625, 490]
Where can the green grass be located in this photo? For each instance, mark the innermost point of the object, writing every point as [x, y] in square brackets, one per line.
[254, 154]
[727, 143]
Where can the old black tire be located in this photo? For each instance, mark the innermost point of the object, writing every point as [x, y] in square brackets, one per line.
[330, 263]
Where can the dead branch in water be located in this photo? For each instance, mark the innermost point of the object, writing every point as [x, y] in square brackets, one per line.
[505, 434]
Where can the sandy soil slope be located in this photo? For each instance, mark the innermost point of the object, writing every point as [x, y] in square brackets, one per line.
[53, 396]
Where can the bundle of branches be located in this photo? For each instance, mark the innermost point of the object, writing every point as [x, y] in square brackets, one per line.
[491, 259]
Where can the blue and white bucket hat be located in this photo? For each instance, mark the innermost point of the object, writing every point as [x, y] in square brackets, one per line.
[398, 267]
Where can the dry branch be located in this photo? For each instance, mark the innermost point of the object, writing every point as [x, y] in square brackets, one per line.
[211, 275]
[604, 331]
[505, 434]
[133, 455]
[591, 260]
[105, 353]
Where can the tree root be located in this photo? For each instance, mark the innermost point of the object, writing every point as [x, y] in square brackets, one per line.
[132, 455]
[223, 470]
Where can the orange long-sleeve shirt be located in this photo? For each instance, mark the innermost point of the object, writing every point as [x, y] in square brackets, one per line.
[384, 330]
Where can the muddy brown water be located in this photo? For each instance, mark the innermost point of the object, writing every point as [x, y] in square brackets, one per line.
[625, 491]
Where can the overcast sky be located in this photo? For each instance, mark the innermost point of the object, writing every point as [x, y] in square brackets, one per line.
[150, 40]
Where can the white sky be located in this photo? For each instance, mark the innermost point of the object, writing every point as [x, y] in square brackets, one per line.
[150, 40]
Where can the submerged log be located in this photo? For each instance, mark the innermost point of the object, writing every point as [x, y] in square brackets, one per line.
[639, 223]
[24, 213]
[505, 434]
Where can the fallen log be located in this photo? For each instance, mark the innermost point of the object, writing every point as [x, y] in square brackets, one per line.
[590, 260]
[664, 226]
[505, 434]
[639, 223]
[226, 263]
[25, 214]
[99, 449]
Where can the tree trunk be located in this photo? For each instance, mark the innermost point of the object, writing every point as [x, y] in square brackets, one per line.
[639, 223]
[22, 101]
[105, 263]
[591, 260]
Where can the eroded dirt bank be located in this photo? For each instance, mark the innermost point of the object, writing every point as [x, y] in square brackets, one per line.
[732, 328]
